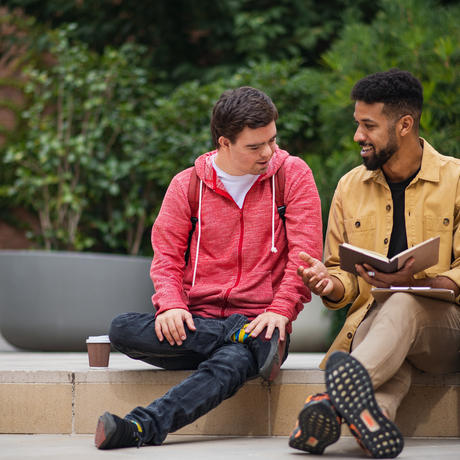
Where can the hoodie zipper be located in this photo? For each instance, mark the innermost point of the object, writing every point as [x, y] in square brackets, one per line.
[240, 242]
[239, 265]
[239, 254]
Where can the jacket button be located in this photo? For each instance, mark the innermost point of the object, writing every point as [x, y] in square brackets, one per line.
[357, 224]
[385, 240]
[349, 335]
[388, 208]
[446, 221]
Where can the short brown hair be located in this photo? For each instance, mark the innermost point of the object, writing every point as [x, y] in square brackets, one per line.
[238, 108]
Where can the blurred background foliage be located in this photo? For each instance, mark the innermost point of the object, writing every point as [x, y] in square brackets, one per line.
[102, 102]
[202, 39]
[119, 101]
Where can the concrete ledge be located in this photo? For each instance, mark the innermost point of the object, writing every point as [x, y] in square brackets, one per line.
[57, 393]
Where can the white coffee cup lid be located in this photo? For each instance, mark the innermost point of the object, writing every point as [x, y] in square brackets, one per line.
[98, 339]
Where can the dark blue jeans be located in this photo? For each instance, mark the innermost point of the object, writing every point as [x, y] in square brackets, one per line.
[222, 368]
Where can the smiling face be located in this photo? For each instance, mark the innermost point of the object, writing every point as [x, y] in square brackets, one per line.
[250, 154]
[375, 134]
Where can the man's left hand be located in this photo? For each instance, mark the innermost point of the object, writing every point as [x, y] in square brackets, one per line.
[270, 321]
[378, 279]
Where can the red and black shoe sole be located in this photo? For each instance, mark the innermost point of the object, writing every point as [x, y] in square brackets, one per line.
[277, 361]
[105, 428]
[317, 428]
[271, 368]
[350, 388]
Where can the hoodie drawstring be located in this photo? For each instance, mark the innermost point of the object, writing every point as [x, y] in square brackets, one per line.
[273, 248]
[199, 233]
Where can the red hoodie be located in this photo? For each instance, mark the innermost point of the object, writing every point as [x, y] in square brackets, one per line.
[237, 272]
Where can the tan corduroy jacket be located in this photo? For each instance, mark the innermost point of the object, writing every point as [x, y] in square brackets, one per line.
[362, 214]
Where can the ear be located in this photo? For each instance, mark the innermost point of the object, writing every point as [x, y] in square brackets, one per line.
[224, 142]
[405, 125]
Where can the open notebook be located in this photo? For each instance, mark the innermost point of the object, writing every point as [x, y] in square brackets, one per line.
[426, 255]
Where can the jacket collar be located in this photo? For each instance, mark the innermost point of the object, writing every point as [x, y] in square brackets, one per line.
[429, 170]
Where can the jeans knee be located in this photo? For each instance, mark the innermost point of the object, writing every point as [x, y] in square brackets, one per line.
[117, 328]
[239, 356]
[234, 360]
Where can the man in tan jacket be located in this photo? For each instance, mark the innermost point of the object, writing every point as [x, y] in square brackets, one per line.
[404, 193]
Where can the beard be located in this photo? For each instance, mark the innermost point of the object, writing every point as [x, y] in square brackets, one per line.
[379, 158]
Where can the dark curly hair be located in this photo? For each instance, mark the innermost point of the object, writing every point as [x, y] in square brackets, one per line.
[238, 108]
[400, 92]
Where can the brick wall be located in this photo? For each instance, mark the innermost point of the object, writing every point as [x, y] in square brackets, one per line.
[15, 238]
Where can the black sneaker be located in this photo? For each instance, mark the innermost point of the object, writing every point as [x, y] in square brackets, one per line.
[113, 432]
[268, 353]
[318, 425]
[350, 388]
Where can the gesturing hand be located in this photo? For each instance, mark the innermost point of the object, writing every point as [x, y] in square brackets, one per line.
[315, 277]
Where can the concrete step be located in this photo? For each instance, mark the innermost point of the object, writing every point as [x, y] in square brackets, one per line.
[57, 393]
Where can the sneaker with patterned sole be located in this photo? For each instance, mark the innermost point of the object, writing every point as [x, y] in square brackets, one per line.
[318, 425]
[350, 388]
[268, 353]
[113, 432]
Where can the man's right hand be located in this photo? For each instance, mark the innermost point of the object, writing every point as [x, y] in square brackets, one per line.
[318, 279]
[169, 325]
[316, 276]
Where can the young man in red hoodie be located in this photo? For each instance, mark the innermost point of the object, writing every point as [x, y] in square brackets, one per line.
[226, 312]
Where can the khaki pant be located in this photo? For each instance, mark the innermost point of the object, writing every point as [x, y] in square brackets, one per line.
[402, 337]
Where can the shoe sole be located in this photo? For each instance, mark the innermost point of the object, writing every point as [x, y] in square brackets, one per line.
[317, 428]
[106, 426]
[271, 369]
[351, 392]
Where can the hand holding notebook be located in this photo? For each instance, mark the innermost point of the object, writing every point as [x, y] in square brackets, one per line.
[426, 255]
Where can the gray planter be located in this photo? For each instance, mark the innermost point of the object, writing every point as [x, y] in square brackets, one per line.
[309, 330]
[52, 301]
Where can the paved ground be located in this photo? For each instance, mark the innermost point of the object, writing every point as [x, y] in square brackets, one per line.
[58, 447]
[78, 447]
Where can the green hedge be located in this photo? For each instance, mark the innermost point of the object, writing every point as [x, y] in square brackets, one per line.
[138, 137]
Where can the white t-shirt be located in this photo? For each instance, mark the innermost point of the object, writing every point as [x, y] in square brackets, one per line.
[237, 186]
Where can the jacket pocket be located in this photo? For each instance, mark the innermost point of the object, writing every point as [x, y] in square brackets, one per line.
[435, 226]
[361, 231]
[443, 227]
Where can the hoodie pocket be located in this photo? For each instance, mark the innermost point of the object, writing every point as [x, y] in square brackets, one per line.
[253, 289]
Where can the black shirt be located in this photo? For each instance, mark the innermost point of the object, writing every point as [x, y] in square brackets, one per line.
[398, 240]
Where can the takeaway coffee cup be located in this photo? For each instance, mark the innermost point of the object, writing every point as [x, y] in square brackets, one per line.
[98, 350]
